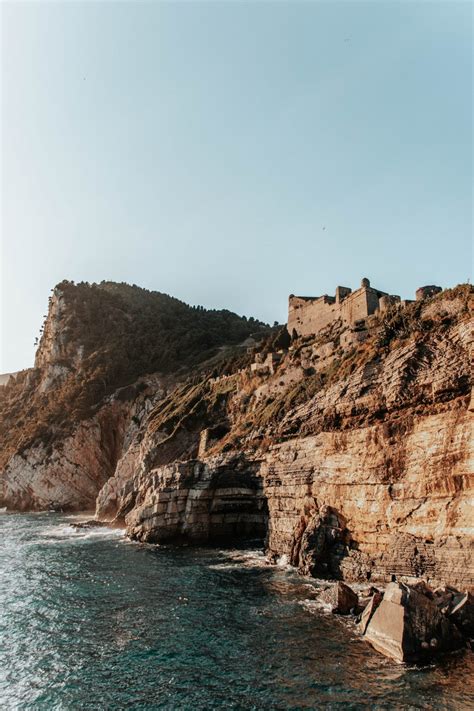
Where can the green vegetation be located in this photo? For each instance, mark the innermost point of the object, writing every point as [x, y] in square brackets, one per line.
[274, 409]
[108, 336]
[111, 335]
[127, 331]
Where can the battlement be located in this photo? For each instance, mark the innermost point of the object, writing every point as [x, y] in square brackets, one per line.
[308, 315]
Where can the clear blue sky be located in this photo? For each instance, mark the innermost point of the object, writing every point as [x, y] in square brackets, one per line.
[230, 153]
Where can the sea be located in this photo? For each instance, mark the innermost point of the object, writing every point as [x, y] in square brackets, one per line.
[91, 620]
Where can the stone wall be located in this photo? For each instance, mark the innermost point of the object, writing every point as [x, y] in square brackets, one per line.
[360, 304]
[308, 316]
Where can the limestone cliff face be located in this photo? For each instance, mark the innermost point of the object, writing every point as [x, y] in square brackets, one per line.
[369, 477]
[69, 476]
[400, 499]
[55, 347]
[353, 457]
[196, 502]
[107, 353]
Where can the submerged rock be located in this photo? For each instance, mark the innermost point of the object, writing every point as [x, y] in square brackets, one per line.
[408, 626]
[341, 599]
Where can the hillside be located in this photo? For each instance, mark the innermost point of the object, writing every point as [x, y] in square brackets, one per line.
[352, 458]
[100, 337]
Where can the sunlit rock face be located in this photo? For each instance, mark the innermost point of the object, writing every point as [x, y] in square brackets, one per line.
[66, 478]
[372, 476]
[353, 459]
[401, 505]
[107, 352]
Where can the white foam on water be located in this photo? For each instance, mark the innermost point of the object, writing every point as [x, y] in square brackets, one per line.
[315, 607]
[66, 534]
[283, 562]
[242, 559]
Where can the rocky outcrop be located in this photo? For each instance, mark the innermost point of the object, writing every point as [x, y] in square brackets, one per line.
[194, 502]
[408, 627]
[101, 343]
[317, 536]
[400, 503]
[340, 598]
[365, 463]
[70, 476]
[354, 460]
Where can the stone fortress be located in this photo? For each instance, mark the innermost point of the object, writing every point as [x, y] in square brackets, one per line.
[354, 311]
[308, 315]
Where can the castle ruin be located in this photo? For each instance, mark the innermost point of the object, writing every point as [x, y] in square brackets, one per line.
[308, 315]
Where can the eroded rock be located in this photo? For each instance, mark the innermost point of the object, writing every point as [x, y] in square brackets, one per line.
[462, 614]
[318, 536]
[192, 502]
[408, 626]
[341, 599]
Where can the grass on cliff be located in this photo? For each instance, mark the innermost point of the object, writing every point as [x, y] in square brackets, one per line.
[400, 323]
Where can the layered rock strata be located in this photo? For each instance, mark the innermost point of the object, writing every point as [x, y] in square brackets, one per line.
[193, 502]
[372, 478]
[399, 506]
[355, 462]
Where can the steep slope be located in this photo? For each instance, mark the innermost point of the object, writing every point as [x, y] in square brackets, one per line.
[361, 458]
[355, 461]
[64, 422]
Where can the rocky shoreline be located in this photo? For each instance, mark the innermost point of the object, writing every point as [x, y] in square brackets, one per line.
[407, 622]
[352, 457]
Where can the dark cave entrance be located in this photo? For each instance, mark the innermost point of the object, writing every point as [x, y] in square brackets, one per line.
[238, 510]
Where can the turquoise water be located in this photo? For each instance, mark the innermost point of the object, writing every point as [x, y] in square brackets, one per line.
[91, 621]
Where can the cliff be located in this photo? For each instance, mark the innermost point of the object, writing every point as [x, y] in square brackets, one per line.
[353, 460]
[106, 353]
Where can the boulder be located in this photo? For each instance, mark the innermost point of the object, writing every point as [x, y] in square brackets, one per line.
[366, 615]
[408, 626]
[341, 599]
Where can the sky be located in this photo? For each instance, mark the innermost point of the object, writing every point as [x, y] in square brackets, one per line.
[231, 153]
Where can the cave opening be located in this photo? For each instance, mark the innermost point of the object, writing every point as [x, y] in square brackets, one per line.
[238, 509]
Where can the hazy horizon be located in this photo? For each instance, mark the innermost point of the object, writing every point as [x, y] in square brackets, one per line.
[230, 154]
